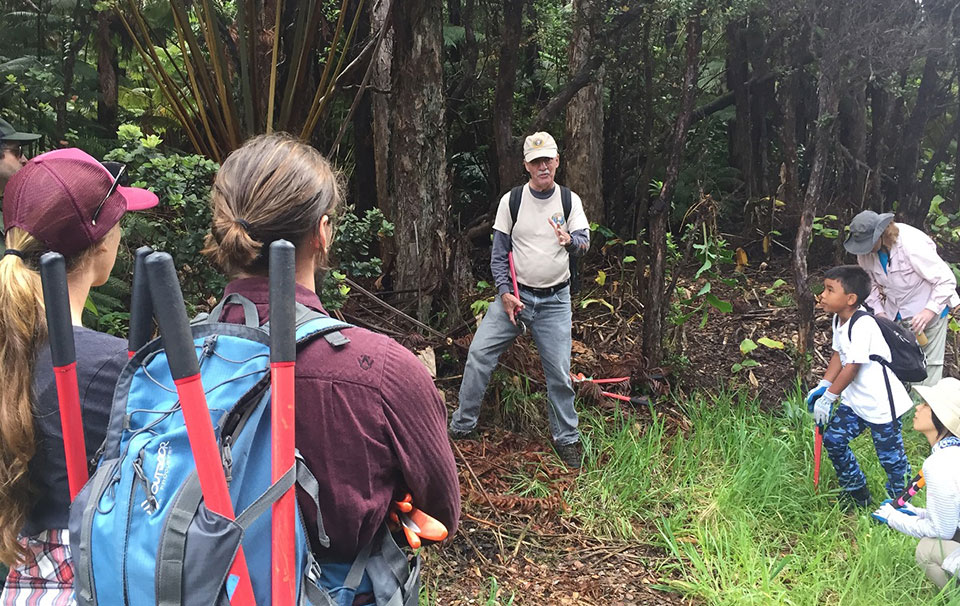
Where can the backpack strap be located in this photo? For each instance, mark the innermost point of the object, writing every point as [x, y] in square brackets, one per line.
[250, 316]
[566, 199]
[516, 195]
[313, 324]
[856, 315]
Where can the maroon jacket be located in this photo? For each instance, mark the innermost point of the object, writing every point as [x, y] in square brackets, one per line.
[370, 425]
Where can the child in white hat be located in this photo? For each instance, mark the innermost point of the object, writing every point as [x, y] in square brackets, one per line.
[938, 418]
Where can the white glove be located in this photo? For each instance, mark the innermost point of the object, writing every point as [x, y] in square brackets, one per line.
[822, 407]
[816, 392]
[882, 514]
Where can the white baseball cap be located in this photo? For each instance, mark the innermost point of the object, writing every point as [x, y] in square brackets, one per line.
[539, 145]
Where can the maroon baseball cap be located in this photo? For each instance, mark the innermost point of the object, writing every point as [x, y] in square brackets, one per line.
[68, 200]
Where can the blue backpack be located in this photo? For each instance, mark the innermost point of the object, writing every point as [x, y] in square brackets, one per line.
[140, 533]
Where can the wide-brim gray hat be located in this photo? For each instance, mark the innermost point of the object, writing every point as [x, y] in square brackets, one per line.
[9, 133]
[865, 229]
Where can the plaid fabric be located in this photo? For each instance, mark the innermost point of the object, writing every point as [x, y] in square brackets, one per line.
[45, 577]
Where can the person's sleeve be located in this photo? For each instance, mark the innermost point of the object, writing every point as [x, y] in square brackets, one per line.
[417, 419]
[504, 222]
[835, 340]
[866, 340]
[579, 243]
[922, 255]
[578, 219]
[942, 510]
[499, 263]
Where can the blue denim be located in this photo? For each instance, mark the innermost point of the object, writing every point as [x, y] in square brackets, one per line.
[332, 577]
[887, 440]
[549, 319]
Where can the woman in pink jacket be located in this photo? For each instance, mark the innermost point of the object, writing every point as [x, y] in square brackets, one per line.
[911, 283]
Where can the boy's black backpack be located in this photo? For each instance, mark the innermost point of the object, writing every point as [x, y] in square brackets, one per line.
[907, 359]
[516, 195]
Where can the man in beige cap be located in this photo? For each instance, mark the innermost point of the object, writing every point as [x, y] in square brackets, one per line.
[12, 156]
[938, 525]
[542, 224]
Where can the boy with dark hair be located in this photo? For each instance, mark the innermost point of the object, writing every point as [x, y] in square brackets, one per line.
[852, 374]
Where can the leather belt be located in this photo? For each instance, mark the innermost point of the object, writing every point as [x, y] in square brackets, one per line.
[546, 292]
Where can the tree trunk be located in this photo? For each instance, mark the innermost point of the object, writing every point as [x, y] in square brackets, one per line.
[380, 105]
[738, 74]
[654, 303]
[583, 143]
[912, 210]
[827, 102]
[642, 217]
[107, 99]
[509, 168]
[418, 167]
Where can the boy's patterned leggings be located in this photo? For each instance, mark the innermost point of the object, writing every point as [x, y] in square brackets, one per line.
[887, 439]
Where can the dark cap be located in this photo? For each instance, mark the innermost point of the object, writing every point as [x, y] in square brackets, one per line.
[55, 198]
[9, 133]
[865, 229]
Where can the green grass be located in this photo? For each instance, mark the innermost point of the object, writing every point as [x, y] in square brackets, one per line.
[732, 502]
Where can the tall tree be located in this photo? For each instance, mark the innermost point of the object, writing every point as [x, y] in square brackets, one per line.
[418, 180]
[583, 143]
[508, 159]
[654, 304]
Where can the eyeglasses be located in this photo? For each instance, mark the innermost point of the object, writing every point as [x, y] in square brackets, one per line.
[14, 148]
[113, 188]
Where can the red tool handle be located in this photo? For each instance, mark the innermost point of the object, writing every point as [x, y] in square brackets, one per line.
[283, 355]
[513, 275]
[56, 300]
[182, 358]
[817, 455]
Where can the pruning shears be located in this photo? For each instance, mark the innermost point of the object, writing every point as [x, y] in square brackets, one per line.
[416, 525]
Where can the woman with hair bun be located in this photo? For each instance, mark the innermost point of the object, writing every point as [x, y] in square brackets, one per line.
[370, 424]
[63, 201]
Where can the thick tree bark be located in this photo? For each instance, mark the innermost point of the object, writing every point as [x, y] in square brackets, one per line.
[380, 107]
[828, 101]
[738, 75]
[654, 303]
[108, 95]
[583, 144]
[509, 167]
[418, 167]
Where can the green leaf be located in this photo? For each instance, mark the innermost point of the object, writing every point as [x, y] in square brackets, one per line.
[750, 363]
[954, 326]
[724, 306]
[767, 342]
[747, 345]
[704, 290]
[90, 306]
[629, 259]
[601, 278]
[586, 302]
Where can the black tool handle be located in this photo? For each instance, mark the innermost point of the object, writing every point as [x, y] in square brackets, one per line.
[141, 308]
[56, 299]
[171, 316]
[283, 313]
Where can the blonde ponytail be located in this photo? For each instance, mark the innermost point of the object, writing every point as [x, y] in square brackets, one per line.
[23, 327]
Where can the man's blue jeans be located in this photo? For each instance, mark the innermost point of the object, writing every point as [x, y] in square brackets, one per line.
[549, 318]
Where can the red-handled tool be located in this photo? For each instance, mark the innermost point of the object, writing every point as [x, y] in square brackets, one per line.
[56, 299]
[182, 359]
[283, 356]
[516, 293]
[141, 309]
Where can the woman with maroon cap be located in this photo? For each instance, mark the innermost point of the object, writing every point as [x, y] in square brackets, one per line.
[370, 424]
[63, 201]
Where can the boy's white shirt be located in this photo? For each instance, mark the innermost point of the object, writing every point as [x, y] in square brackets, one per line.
[867, 393]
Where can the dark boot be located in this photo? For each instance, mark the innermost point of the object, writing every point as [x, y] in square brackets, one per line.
[570, 454]
[858, 498]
